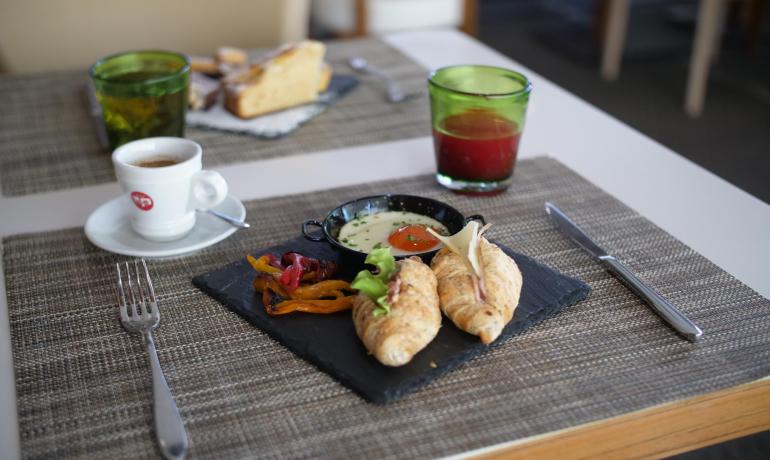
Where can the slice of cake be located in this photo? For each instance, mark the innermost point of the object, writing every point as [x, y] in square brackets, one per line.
[290, 77]
[326, 77]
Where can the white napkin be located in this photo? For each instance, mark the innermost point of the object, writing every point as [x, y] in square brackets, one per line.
[272, 125]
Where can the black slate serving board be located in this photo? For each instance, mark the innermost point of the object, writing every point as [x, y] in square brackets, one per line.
[330, 341]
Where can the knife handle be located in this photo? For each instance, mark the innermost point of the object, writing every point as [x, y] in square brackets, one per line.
[670, 314]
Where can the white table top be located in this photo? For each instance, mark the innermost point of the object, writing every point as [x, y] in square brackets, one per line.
[725, 224]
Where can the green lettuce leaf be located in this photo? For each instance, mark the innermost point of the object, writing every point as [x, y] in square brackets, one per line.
[370, 285]
[383, 307]
[384, 261]
[375, 286]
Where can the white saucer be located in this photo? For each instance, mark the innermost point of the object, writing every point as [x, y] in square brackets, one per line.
[109, 228]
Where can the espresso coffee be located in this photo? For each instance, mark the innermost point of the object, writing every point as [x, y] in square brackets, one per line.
[164, 185]
[157, 162]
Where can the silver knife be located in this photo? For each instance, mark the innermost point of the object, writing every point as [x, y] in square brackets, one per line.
[670, 314]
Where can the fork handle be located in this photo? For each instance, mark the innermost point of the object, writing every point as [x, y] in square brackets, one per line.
[395, 92]
[169, 428]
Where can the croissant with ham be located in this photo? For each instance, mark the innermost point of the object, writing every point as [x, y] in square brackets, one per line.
[412, 320]
[478, 284]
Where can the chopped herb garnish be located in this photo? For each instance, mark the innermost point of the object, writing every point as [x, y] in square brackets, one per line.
[410, 237]
[377, 246]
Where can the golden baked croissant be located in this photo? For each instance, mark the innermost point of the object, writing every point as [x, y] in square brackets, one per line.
[414, 318]
[483, 306]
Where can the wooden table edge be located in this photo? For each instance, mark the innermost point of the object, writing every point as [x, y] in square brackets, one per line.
[654, 432]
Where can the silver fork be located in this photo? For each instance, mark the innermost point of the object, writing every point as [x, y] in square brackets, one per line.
[393, 92]
[139, 314]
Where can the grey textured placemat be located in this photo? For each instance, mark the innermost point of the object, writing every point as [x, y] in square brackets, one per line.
[48, 141]
[83, 384]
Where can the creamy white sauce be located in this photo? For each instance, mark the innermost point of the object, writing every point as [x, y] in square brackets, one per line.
[366, 233]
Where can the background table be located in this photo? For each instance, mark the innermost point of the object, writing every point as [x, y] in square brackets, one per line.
[715, 218]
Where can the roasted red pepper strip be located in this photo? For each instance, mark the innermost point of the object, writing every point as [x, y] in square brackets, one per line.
[273, 261]
[297, 265]
[293, 268]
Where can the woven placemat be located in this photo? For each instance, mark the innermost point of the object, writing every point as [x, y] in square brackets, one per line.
[48, 140]
[83, 384]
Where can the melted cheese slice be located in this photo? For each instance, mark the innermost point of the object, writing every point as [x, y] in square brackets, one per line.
[465, 244]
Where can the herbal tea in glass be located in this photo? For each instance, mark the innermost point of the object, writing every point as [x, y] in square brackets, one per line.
[142, 94]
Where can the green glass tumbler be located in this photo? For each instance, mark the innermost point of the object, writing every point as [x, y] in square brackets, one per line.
[478, 115]
[142, 94]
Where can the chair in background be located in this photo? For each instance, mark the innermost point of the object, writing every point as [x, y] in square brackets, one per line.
[43, 35]
[345, 18]
[708, 31]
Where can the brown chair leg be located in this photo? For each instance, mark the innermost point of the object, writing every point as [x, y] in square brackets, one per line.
[361, 28]
[707, 35]
[614, 39]
[470, 23]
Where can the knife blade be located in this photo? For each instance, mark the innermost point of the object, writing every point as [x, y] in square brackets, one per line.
[668, 312]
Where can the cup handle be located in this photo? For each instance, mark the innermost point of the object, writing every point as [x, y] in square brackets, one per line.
[208, 189]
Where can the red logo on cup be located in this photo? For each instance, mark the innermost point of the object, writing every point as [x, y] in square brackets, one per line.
[142, 200]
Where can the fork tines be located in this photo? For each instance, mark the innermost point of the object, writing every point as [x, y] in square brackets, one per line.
[137, 291]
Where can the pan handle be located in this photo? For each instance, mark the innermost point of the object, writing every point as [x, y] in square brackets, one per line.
[477, 217]
[307, 233]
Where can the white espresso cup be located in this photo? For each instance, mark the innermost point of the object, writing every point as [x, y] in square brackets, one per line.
[164, 183]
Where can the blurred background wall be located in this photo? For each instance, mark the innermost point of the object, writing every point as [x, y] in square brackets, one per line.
[43, 35]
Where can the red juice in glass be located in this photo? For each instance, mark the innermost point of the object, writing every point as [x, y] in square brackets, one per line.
[476, 145]
[477, 115]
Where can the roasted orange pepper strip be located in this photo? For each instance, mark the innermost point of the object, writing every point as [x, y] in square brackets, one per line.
[262, 265]
[321, 289]
[261, 283]
[313, 298]
[328, 288]
[310, 306]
